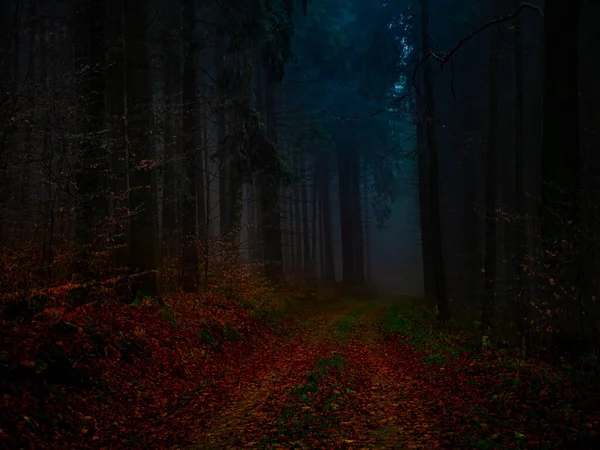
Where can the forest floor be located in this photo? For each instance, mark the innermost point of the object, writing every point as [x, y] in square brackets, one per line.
[370, 374]
[346, 380]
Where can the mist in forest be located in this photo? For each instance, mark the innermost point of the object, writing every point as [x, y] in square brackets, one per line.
[299, 223]
[437, 148]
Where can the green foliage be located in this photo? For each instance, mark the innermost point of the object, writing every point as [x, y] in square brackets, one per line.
[344, 327]
[509, 382]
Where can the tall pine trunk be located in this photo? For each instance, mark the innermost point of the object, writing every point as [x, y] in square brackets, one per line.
[346, 215]
[269, 189]
[521, 298]
[427, 256]
[328, 266]
[437, 252]
[357, 222]
[490, 258]
[91, 207]
[305, 221]
[142, 202]
[561, 159]
[192, 185]
[367, 225]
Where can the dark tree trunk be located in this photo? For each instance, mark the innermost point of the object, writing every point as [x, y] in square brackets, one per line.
[306, 269]
[357, 221]
[297, 227]
[328, 267]
[172, 49]
[367, 226]
[441, 292]
[423, 162]
[291, 234]
[522, 295]
[142, 255]
[490, 258]
[191, 119]
[561, 159]
[252, 236]
[92, 207]
[314, 211]
[346, 215]
[117, 110]
[270, 196]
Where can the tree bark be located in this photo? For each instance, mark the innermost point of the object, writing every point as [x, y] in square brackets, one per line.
[561, 159]
[436, 220]
[346, 218]
[142, 201]
[192, 204]
[270, 195]
[91, 205]
[367, 225]
[306, 268]
[172, 81]
[357, 222]
[328, 267]
[423, 162]
[522, 295]
[490, 258]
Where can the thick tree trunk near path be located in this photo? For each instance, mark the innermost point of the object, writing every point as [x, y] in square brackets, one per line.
[306, 266]
[561, 162]
[314, 220]
[561, 158]
[142, 249]
[346, 215]
[490, 258]
[171, 232]
[91, 205]
[269, 189]
[424, 185]
[328, 265]
[192, 185]
[441, 292]
[297, 232]
[357, 223]
[522, 295]
[366, 224]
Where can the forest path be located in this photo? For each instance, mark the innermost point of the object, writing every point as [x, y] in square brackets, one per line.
[338, 382]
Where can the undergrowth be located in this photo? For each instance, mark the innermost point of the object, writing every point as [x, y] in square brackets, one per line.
[308, 407]
[101, 372]
[525, 400]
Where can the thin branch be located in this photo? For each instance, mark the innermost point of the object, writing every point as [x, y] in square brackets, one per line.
[443, 58]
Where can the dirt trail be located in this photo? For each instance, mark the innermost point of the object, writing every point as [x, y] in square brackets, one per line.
[338, 383]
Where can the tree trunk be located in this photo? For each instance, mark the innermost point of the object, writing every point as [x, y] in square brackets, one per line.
[306, 269]
[270, 195]
[561, 159]
[346, 218]
[328, 267]
[297, 224]
[91, 53]
[423, 162]
[367, 225]
[490, 259]
[191, 120]
[436, 220]
[142, 239]
[172, 82]
[522, 295]
[314, 208]
[357, 222]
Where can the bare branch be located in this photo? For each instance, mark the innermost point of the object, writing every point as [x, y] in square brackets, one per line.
[443, 58]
